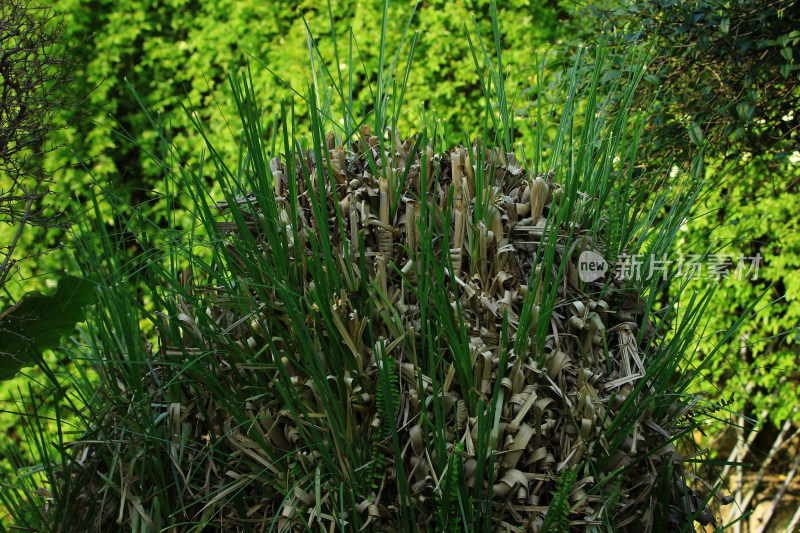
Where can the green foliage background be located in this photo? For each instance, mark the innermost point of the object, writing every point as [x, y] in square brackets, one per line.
[755, 214]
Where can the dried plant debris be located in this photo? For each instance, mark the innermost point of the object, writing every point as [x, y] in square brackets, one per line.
[556, 408]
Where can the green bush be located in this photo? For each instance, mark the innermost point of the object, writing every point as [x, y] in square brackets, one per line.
[724, 70]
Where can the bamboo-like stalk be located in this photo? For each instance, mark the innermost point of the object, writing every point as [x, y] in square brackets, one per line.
[384, 235]
[468, 168]
[459, 215]
[341, 157]
[313, 179]
[391, 177]
[742, 503]
[428, 168]
[411, 226]
[399, 150]
[483, 252]
[353, 231]
[765, 520]
[466, 172]
[380, 273]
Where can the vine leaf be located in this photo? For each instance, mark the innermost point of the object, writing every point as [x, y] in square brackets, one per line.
[37, 322]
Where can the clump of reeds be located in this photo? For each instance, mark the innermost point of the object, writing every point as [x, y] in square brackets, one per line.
[365, 332]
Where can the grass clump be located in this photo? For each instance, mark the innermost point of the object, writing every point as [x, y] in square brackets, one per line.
[366, 332]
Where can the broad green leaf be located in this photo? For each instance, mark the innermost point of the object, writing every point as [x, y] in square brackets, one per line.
[695, 134]
[787, 54]
[37, 322]
[702, 40]
[698, 168]
[745, 110]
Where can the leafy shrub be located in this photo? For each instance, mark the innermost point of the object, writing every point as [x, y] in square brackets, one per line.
[725, 71]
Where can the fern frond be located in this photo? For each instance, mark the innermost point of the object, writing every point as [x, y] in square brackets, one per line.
[611, 501]
[557, 518]
[386, 399]
[447, 500]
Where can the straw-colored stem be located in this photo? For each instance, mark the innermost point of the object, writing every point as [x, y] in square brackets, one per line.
[539, 193]
[353, 230]
[380, 273]
[384, 236]
[411, 227]
[428, 168]
[459, 216]
[483, 259]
